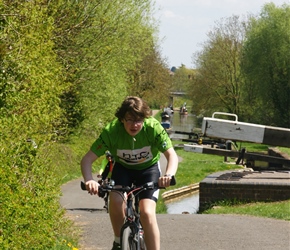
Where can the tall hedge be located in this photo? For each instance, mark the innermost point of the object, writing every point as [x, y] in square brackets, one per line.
[64, 69]
[30, 88]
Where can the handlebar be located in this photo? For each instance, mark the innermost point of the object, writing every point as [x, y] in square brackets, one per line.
[146, 186]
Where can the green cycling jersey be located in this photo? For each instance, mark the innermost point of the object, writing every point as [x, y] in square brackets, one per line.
[138, 152]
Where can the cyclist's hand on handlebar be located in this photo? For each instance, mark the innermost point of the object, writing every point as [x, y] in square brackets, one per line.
[92, 186]
[164, 181]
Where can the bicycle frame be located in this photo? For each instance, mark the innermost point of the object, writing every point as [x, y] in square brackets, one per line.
[132, 232]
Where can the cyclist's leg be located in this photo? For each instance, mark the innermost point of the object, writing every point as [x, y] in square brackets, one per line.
[147, 206]
[116, 211]
[149, 223]
[116, 203]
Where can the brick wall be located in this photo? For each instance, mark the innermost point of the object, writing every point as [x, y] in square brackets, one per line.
[211, 191]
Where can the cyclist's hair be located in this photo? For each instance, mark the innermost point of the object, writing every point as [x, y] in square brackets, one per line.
[135, 106]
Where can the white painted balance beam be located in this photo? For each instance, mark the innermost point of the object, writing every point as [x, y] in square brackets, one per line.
[240, 131]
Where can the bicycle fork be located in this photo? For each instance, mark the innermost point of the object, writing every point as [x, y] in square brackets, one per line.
[141, 238]
[132, 236]
[132, 231]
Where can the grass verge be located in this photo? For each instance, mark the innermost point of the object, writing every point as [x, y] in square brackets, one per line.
[276, 210]
[195, 167]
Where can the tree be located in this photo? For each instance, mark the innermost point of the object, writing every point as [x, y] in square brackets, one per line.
[182, 81]
[101, 43]
[151, 79]
[266, 65]
[218, 81]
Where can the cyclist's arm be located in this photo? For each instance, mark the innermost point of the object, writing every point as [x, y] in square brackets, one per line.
[171, 167]
[172, 161]
[86, 168]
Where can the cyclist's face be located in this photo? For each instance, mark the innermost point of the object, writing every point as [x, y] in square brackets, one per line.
[132, 124]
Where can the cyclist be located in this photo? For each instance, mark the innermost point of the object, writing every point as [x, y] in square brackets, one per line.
[135, 140]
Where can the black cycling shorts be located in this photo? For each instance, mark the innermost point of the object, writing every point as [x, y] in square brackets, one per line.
[126, 177]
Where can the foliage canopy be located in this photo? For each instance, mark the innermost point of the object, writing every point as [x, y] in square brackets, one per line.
[266, 65]
[243, 68]
[64, 69]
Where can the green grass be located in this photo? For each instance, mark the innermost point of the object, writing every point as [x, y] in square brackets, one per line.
[276, 210]
[195, 167]
[285, 150]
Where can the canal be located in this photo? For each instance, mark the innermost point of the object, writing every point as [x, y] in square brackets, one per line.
[184, 123]
[190, 202]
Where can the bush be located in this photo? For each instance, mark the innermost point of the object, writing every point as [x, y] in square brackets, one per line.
[31, 217]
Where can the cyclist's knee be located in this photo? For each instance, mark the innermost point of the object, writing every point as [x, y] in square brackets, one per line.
[116, 200]
[147, 209]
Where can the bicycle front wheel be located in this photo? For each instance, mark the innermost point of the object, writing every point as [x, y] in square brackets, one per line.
[128, 241]
[141, 240]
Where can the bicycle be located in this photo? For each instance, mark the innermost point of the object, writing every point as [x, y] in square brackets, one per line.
[132, 234]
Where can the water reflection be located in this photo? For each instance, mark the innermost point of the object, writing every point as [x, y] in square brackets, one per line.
[185, 204]
[185, 123]
[189, 203]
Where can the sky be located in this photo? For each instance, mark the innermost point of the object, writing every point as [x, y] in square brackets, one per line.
[184, 24]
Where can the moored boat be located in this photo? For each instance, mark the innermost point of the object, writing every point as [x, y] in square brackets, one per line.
[166, 118]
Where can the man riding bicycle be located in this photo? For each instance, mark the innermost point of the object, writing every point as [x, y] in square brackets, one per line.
[135, 140]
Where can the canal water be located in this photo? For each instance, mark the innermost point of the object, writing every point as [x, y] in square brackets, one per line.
[184, 205]
[190, 202]
[184, 123]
